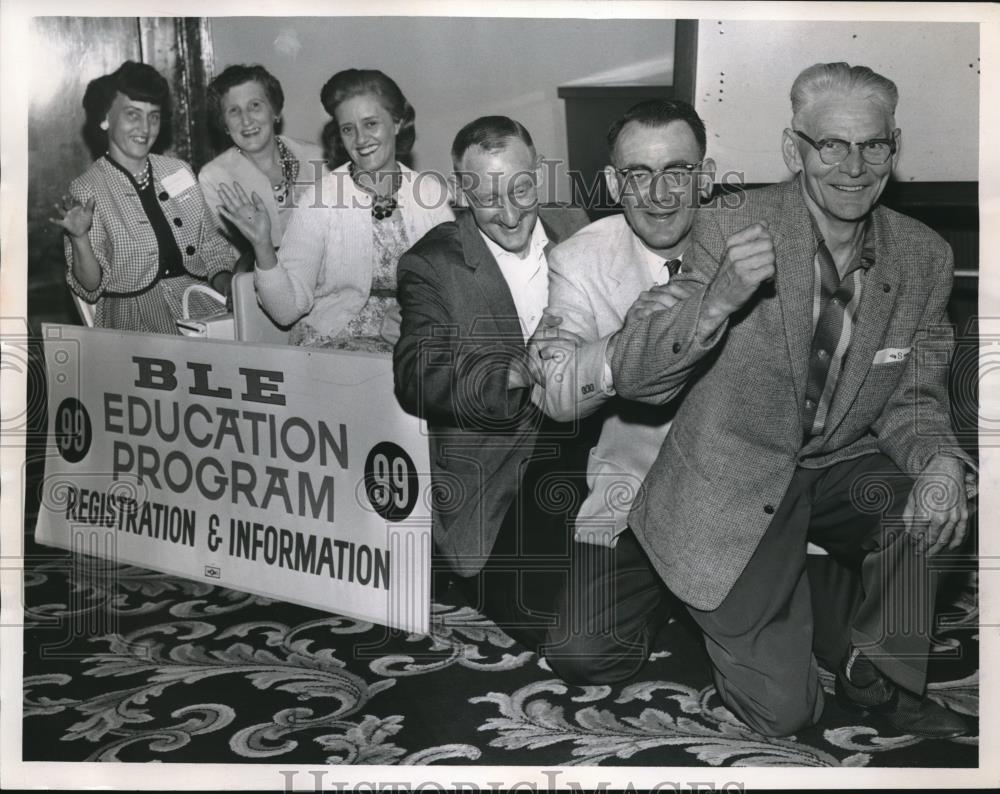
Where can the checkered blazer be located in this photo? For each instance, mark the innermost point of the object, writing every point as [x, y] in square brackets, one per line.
[123, 239]
[736, 438]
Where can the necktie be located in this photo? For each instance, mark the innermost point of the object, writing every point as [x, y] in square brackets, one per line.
[834, 297]
[671, 267]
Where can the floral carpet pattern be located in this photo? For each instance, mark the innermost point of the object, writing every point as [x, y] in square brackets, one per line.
[124, 664]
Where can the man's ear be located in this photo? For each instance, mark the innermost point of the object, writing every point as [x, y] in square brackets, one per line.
[455, 192]
[539, 169]
[897, 136]
[611, 178]
[706, 178]
[790, 151]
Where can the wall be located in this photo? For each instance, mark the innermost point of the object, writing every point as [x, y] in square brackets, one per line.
[746, 69]
[451, 69]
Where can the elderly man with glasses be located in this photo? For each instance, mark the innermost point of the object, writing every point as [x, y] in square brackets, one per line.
[811, 357]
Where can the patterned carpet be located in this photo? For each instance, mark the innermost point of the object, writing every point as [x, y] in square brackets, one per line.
[124, 664]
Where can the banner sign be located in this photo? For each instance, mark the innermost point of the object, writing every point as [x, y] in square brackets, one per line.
[287, 472]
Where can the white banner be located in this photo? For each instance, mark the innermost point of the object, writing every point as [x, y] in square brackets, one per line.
[286, 472]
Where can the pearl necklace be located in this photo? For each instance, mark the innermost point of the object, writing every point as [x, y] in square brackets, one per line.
[144, 177]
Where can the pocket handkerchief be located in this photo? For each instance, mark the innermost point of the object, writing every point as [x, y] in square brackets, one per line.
[892, 355]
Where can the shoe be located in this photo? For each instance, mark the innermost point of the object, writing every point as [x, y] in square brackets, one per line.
[861, 688]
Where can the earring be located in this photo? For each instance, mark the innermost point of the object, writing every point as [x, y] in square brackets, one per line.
[104, 125]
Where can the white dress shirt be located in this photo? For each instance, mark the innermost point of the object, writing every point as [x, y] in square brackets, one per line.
[658, 266]
[660, 274]
[527, 279]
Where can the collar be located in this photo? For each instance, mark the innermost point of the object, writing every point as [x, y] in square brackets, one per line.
[536, 246]
[866, 257]
[655, 262]
[123, 169]
[349, 192]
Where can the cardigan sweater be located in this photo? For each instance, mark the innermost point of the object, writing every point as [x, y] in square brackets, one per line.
[233, 166]
[325, 264]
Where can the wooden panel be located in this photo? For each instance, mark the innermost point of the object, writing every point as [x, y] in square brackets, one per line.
[685, 58]
[181, 49]
[70, 52]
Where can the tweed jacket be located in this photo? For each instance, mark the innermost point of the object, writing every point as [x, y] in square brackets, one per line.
[325, 264]
[460, 335]
[594, 277]
[233, 166]
[736, 438]
[123, 239]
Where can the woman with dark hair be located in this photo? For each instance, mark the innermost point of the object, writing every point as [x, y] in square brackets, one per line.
[335, 275]
[138, 231]
[245, 104]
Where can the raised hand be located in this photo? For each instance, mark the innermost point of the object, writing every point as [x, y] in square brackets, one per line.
[748, 262]
[73, 217]
[248, 215]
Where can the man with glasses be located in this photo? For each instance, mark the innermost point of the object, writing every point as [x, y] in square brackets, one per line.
[471, 293]
[622, 265]
[813, 368]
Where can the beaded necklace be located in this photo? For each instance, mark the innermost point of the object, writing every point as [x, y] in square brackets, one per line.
[382, 206]
[289, 171]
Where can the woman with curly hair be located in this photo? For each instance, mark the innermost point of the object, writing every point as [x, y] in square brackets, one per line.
[245, 105]
[138, 230]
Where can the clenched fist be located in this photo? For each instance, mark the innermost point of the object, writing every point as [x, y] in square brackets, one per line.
[748, 262]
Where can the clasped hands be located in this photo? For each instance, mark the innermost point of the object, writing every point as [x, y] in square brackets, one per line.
[551, 341]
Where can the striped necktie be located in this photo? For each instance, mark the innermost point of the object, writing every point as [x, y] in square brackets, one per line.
[834, 297]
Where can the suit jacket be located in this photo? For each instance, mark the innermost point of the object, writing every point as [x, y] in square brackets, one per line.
[233, 166]
[459, 337]
[737, 437]
[594, 277]
[123, 239]
[325, 264]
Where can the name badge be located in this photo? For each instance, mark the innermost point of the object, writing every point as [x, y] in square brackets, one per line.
[177, 182]
[891, 355]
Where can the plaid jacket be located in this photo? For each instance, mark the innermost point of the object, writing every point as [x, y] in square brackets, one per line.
[123, 239]
[736, 438]
[326, 262]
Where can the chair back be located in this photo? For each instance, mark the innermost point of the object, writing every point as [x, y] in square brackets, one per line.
[84, 309]
[252, 322]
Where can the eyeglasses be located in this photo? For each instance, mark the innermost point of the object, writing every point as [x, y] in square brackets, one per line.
[676, 175]
[833, 151]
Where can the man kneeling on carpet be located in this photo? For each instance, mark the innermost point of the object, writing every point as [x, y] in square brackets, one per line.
[471, 293]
